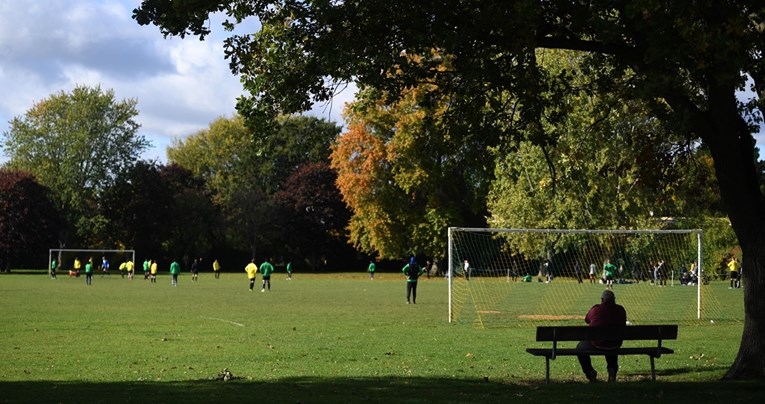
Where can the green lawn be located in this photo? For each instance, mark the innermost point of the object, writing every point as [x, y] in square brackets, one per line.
[317, 338]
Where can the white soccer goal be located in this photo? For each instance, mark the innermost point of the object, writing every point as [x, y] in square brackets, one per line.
[530, 276]
[65, 257]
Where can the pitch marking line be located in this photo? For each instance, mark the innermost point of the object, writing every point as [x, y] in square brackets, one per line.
[225, 321]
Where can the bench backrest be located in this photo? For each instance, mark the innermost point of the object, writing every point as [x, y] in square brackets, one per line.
[626, 333]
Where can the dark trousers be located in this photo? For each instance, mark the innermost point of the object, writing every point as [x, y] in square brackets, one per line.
[411, 289]
[612, 361]
[266, 282]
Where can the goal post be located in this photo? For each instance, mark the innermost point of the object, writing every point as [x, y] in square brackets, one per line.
[527, 276]
[65, 256]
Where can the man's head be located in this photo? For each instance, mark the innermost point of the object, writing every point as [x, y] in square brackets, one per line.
[607, 296]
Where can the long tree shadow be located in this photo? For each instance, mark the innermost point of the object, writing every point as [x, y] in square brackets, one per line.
[384, 389]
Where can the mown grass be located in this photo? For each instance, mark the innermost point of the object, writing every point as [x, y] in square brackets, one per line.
[317, 338]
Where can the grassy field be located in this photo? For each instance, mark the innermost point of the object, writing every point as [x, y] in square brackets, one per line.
[317, 338]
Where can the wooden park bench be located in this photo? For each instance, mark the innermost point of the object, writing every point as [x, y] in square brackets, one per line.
[657, 333]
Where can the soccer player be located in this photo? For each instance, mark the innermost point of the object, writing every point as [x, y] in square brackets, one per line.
[216, 268]
[53, 267]
[289, 270]
[104, 267]
[658, 274]
[412, 270]
[76, 267]
[175, 269]
[265, 270]
[123, 269]
[146, 265]
[195, 269]
[88, 271]
[607, 313]
[251, 270]
[609, 270]
[371, 269]
[153, 271]
[130, 267]
[733, 267]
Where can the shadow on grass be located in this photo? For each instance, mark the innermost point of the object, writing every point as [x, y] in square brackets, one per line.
[385, 389]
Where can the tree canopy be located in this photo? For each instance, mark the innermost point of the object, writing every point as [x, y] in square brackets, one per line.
[76, 143]
[29, 220]
[686, 60]
[250, 173]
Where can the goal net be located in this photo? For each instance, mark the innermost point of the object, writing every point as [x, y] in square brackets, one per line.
[508, 277]
[65, 259]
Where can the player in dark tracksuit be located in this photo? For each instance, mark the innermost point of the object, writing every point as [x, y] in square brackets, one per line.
[412, 270]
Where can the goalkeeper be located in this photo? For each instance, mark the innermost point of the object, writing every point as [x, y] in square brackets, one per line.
[609, 270]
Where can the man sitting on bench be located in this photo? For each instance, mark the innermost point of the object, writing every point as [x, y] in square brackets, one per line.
[607, 313]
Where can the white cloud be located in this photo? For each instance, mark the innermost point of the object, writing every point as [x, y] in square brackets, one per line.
[52, 46]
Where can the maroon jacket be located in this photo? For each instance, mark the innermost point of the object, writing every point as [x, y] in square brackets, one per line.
[606, 314]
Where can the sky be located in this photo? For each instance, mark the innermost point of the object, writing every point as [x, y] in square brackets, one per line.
[180, 85]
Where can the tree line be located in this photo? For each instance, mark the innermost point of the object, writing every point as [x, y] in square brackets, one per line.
[74, 179]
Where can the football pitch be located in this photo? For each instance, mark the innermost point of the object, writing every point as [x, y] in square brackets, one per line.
[316, 338]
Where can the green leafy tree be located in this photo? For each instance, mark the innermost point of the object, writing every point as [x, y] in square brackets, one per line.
[76, 143]
[611, 165]
[219, 155]
[243, 168]
[406, 176]
[687, 60]
[29, 220]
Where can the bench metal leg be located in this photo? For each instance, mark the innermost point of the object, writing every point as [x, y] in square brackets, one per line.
[547, 370]
[653, 370]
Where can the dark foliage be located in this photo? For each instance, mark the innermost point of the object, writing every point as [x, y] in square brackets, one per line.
[29, 221]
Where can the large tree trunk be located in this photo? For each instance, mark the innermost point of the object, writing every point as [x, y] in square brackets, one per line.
[732, 147]
[750, 360]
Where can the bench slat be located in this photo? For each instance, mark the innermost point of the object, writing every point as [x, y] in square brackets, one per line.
[631, 332]
[652, 351]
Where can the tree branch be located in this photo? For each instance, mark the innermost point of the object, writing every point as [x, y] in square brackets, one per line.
[555, 42]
